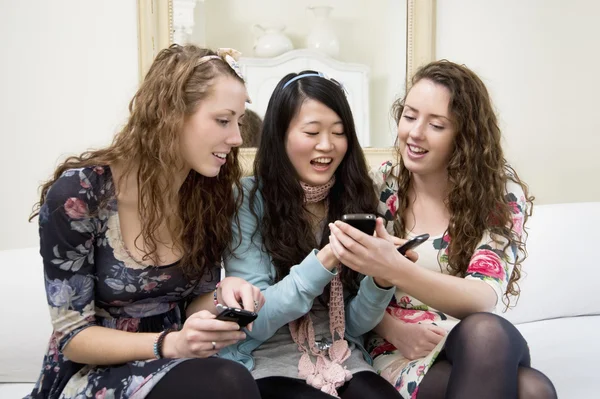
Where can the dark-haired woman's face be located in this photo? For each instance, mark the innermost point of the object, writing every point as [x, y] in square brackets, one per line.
[425, 131]
[315, 142]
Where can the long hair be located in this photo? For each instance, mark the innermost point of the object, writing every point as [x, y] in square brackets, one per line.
[286, 227]
[149, 146]
[477, 172]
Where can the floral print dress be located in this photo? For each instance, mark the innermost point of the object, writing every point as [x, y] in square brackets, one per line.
[91, 280]
[489, 263]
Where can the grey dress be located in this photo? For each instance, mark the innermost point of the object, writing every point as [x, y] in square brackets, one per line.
[279, 355]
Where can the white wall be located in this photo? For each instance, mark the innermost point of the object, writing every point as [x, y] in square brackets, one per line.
[68, 70]
[540, 60]
[371, 32]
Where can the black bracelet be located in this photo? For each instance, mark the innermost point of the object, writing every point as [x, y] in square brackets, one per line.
[379, 286]
[158, 343]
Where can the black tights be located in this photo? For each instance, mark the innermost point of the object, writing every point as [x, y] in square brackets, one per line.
[364, 384]
[485, 356]
[206, 378]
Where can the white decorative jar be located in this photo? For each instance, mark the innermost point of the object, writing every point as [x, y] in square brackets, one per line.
[322, 37]
[271, 41]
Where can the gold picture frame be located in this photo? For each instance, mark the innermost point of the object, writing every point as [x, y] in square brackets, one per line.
[155, 27]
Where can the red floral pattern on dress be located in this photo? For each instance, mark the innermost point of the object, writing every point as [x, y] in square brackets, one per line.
[487, 263]
[392, 203]
[411, 315]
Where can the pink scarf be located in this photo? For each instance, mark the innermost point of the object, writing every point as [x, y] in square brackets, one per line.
[327, 373]
[314, 194]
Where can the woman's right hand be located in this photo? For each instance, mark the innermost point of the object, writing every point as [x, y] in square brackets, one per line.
[415, 340]
[198, 334]
[374, 256]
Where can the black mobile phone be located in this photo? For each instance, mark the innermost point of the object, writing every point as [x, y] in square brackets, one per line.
[412, 244]
[364, 222]
[240, 316]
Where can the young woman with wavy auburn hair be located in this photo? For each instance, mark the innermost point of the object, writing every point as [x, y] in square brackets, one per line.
[132, 236]
[439, 336]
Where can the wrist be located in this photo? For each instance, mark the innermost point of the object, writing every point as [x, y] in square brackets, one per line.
[382, 283]
[169, 347]
[400, 272]
[327, 258]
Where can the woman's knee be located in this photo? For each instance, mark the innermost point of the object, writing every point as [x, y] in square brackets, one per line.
[485, 337]
[213, 377]
[224, 376]
[534, 384]
[226, 372]
[484, 327]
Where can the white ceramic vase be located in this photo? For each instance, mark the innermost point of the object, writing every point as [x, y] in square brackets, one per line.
[271, 41]
[322, 37]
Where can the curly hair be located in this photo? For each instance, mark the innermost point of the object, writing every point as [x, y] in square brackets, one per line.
[286, 226]
[149, 145]
[477, 173]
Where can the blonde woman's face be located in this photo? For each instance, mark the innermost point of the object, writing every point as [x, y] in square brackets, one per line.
[425, 131]
[213, 130]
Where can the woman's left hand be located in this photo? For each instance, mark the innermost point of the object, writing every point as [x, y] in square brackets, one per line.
[238, 293]
[374, 256]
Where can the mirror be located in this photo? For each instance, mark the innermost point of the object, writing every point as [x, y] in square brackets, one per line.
[370, 46]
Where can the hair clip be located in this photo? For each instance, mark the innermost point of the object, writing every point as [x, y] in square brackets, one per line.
[231, 57]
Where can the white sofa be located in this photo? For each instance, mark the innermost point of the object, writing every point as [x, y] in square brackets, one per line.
[558, 313]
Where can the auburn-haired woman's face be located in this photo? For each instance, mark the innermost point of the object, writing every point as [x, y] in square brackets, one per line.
[213, 130]
[425, 130]
[316, 142]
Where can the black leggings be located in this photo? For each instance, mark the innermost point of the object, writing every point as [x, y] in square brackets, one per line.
[485, 356]
[206, 378]
[363, 385]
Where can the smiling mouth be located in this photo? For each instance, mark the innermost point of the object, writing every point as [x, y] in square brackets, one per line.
[417, 150]
[221, 155]
[323, 161]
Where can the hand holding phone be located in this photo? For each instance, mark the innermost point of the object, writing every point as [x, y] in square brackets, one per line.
[240, 316]
[412, 244]
[364, 222]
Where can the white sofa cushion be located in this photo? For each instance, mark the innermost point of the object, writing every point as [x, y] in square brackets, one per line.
[24, 337]
[561, 272]
[567, 351]
[12, 391]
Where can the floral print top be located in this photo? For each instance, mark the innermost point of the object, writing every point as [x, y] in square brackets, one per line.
[91, 280]
[489, 263]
